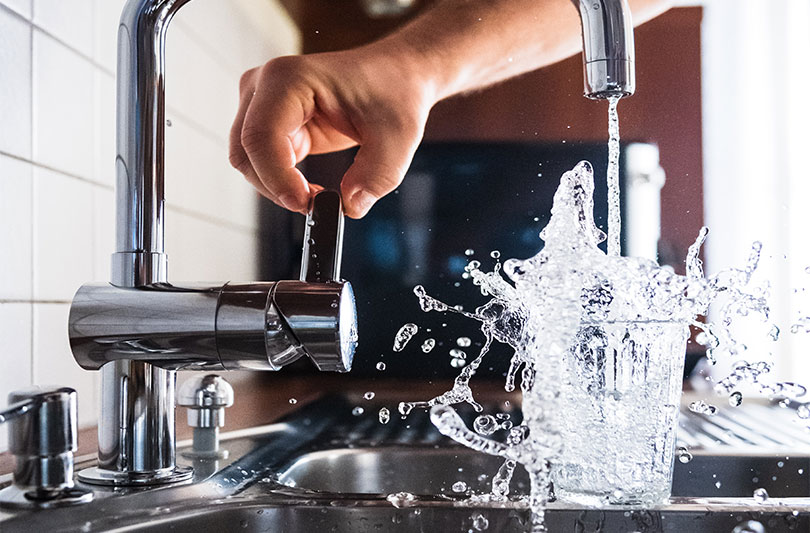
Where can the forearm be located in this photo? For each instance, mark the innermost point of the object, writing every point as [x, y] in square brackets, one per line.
[461, 45]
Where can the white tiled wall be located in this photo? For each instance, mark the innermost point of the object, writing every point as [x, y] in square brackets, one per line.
[57, 152]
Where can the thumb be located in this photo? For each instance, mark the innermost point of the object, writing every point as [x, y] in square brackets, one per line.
[378, 168]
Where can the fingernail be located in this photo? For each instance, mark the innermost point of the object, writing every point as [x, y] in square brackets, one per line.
[363, 200]
[289, 201]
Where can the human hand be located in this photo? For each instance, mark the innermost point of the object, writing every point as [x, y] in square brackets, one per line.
[299, 105]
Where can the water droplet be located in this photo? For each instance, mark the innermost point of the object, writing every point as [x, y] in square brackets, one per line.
[683, 455]
[368, 396]
[428, 303]
[718, 484]
[463, 342]
[495, 254]
[293, 401]
[780, 464]
[457, 363]
[469, 252]
[404, 335]
[400, 499]
[384, 415]
[750, 526]
[784, 404]
[735, 399]
[761, 495]
[357, 411]
[459, 486]
[517, 435]
[803, 411]
[479, 522]
[405, 408]
[773, 334]
[458, 354]
[702, 407]
[428, 345]
[380, 366]
[485, 425]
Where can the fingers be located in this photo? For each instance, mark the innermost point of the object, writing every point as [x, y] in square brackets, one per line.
[273, 134]
[379, 167]
[237, 156]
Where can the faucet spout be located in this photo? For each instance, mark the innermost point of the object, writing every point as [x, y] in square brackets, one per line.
[608, 49]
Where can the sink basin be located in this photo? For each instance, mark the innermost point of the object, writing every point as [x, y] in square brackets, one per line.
[433, 471]
[323, 469]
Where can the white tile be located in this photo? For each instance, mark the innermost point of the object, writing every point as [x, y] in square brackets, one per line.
[63, 107]
[248, 32]
[69, 21]
[104, 232]
[15, 354]
[104, 128]
[199, 177]
[63, 235]
[54, 363]
[198, 85]
[15, 87]
[203, 250]
[23, 7]
[15, 229]
[106, 15]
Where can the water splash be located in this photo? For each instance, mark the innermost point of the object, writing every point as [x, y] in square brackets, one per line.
[561, 311]
[404, 335]
[565, 310]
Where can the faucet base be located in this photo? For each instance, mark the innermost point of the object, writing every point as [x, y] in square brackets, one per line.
[14, 497]
[102, 476]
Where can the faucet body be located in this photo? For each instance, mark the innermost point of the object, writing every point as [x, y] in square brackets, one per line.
[608, 48]
[139, 329]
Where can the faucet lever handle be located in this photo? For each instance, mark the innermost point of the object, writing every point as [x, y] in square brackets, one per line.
[323, 238]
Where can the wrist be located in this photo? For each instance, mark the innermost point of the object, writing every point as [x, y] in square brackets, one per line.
[416, 65]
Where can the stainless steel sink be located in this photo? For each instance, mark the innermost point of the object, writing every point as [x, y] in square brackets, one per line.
[433, 471]
[324, 469]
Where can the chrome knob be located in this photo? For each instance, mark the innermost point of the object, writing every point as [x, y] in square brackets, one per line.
[205, 399]
[42, 438]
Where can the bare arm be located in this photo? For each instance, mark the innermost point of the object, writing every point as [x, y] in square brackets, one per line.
[378, 96]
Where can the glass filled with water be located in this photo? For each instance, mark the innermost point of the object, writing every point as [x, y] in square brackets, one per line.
[620, 399]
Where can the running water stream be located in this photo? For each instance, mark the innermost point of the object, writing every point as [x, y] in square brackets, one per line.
[614, 196]
[557, 308]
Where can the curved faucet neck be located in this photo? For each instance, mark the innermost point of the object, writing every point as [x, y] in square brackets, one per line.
[608, 48]
[140, 258]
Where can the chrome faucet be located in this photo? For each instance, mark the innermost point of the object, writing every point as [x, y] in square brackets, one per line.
[139, 329]
[608, 49]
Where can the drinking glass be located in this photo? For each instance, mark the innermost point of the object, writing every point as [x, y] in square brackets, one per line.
[619, 400]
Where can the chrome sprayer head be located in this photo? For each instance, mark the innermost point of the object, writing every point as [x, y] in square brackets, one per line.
[608, 49]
